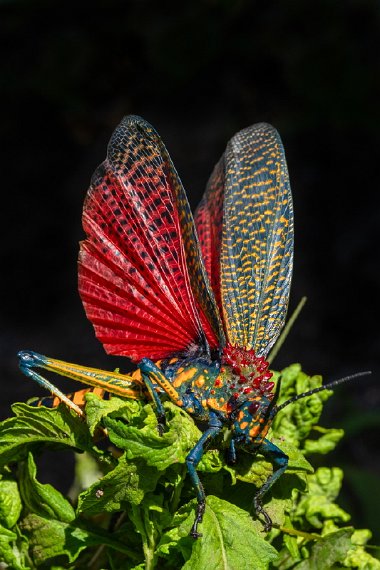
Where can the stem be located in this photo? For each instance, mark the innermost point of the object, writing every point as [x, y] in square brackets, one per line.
[294, 532]
[177, 491]
[150, 559]
[286, 330]
[142, 526]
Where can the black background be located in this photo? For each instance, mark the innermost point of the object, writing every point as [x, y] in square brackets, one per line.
[199, 72]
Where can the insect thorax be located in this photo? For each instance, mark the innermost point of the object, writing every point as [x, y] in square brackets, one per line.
[223, 384]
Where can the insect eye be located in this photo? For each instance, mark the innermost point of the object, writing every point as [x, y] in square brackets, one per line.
[253, 408]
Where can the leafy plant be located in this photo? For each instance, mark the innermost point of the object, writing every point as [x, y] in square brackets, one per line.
[134, 503]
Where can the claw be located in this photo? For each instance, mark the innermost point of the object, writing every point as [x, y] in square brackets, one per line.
[161, 424]
[259, 509]
[198, 519]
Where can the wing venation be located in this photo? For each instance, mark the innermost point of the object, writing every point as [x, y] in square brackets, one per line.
[135, 271]
[257, 238]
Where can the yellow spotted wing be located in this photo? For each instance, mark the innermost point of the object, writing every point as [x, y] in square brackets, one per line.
[245, 225]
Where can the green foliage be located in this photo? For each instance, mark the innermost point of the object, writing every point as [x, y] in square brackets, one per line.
[133, 505]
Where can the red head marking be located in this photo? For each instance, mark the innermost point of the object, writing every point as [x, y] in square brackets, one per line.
[249, 368]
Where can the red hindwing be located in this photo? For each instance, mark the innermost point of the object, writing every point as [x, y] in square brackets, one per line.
[209, 223]
[141, 277]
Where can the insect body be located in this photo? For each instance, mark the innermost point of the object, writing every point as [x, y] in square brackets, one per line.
[197, 305]
[233, 391]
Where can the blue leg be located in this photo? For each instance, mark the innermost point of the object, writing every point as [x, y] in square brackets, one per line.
[280, 463]
[153, 376]
[27, 360]
[231, 453]
[159, 408]
[192, 460]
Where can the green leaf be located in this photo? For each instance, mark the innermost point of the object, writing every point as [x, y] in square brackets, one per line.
[13, 550]
[327, 551]
[297, 461]
[326, 482]
[10, 502]
[250, 469]
[229, 540]
[35, 426]
[289, 376]
[357, 557]
[326, 443]
[149, 482]
[255, 469]
[177, 536]
[41, 499]
[97, 409]
[144, 441]
[295, 421]
[49, 539]
[292, 546]
[318, 505]
[128, 482]
[211, 462]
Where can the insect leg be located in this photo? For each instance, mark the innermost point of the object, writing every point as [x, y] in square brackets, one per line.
[26, 366]
[153, 375]
[113, 382]
[192, 460]
[156, 375]
[231, 453]
[280, 462]
[160, 412]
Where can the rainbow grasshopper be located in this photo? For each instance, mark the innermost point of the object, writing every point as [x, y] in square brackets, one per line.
[197, 304]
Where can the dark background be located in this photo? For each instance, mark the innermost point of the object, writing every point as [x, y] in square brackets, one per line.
[199, 72]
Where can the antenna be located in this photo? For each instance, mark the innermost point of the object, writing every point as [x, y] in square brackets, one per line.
[321, 388]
